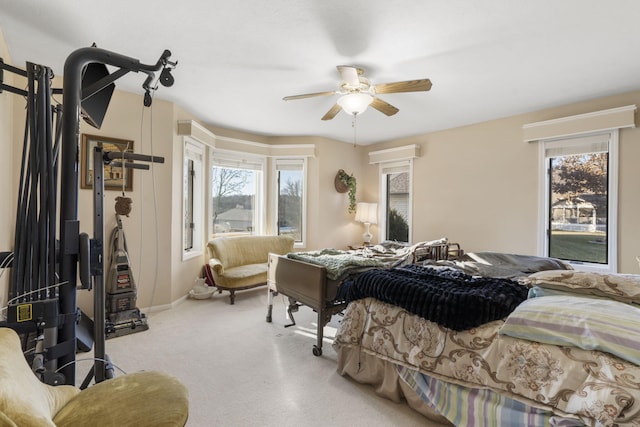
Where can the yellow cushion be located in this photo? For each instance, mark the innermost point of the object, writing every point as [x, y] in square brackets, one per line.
[23, 398]
[141, 399]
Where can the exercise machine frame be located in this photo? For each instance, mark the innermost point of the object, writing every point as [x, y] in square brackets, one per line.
[68, 253]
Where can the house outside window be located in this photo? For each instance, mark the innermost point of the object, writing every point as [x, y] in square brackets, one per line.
[237, 194]
[581, 200]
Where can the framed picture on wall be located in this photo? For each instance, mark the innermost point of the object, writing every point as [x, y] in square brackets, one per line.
[114, 176]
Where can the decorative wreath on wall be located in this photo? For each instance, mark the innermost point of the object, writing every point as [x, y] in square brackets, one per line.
[345, 182]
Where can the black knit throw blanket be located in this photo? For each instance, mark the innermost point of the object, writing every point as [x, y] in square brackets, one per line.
[444, 296]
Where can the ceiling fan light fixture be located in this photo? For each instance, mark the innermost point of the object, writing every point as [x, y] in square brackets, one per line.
[355, 103]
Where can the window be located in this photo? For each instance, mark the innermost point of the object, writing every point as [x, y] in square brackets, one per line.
[581, 200]
[237, 194]
[189, 225]
[291, 206]
[396, 178]
[192, 196]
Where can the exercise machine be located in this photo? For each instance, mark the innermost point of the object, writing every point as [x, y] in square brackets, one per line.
[42, 295]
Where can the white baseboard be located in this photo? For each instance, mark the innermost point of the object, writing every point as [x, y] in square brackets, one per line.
[164, 307]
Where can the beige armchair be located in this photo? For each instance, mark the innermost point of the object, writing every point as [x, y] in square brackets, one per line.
[140, 399]
[241, 262]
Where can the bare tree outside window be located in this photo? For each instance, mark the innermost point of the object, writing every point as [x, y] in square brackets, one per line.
[233, 195]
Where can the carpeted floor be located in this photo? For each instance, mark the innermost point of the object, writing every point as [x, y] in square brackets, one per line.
[242, 371]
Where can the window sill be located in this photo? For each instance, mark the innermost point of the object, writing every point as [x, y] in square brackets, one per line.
[187, 255]
[593, 268]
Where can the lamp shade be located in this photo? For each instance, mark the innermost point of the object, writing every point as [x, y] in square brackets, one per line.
[367, 212]
[355, 103]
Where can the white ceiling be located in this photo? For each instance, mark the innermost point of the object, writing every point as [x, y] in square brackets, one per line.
[238, 59]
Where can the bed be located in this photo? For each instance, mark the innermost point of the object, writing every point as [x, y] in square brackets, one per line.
[562, 350]
[314, 278]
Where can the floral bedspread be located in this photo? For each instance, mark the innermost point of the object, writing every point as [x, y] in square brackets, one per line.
[598, 388]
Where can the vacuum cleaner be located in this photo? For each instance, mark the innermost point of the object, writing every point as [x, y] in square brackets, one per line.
[123, 317]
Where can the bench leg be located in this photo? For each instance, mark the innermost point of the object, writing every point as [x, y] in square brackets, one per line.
[232, 297]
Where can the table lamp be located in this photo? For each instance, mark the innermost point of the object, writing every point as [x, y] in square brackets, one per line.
[367, 213]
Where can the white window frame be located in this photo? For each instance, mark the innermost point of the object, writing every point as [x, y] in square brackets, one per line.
[239, 159]
[386, 168]
[195, 151]
[612, 136]
[302, 162]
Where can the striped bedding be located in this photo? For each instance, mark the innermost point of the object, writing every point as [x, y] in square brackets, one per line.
[578, 321]
[477, 407]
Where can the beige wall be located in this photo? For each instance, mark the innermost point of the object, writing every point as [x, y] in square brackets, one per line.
[478, 184]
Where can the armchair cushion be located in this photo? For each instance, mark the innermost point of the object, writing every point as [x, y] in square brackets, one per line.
[140, 399]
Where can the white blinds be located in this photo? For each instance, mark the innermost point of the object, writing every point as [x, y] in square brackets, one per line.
[289, 164]
[238, 163]
[193, 150]
[583, 145]
[395, 167]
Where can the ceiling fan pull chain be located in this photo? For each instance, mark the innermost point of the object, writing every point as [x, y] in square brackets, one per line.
[353, 125]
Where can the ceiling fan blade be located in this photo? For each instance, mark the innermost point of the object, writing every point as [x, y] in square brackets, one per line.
[309, 95]
[384, 107]
[332, 112]
[350, 75]
[408, 86]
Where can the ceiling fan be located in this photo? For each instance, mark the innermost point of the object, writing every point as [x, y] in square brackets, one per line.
[357, 93]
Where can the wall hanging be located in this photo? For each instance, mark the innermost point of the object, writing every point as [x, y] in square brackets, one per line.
[345, 182]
